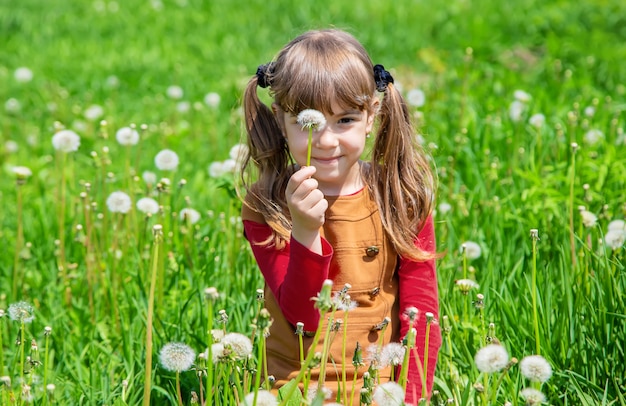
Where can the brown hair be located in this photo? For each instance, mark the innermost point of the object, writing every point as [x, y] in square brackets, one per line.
[312, 71]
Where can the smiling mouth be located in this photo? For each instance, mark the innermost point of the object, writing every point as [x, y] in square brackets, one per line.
[326, 159]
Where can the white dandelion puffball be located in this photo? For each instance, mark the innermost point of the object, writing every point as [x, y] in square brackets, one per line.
[444, 207]
[516, 109]
[23, 74]
[238, 152]
[190, 215]
[174, 92]
[93, 112]
[392, 354]
[216, 169]
[536, 368]
[533, 396]
[263, 398]
[589, 219]
[148, 205]
[66, 141]
[593, 136]
[537, 120]
[149, 177]
[166, 160]
[127, 136]
[11, 146]
[22, 172]
[491, 358]
[521, 95]
[239, 344]
[416, 97]
[183, 106]
[471, 250]
[22, 312]
[466, 284]
[119, 202]
[311, 119]
[177, 357]
[389, 394]
[212, 100]
[619, 225]
[217, 352]
[230, 166]
[615, 239]
[12, 105]
[590, 111]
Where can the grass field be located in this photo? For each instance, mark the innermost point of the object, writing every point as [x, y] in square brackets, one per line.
[523, 114]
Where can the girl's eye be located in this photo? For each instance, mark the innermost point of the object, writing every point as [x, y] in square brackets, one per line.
[346, 120]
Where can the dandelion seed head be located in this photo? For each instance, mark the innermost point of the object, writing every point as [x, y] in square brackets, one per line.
[537, 120]
[174, 92]
[471, 250]
[465, 285]
[239, 344]
[22, 172]
[23, 74]
[216, 169]
[311, 119]
[533, 396]
[93, 112]
[189, 214]
[148, 205]
[229, 166]
[149, 177]
[615, 239]
[444, 207]
[536, 368]
[392, 354]
[263, 398]
[589, 219]
[127, 136]
[593, 136]
[211, 293]
[516, 109]
[66, 141]
[177, 357]
[22, 312]
[238, 152]
[491, 358]
[416, 97]
[212, 100]
[166, 160]
[389, 394]
[119, 202]
[522, 96]
[619, 225]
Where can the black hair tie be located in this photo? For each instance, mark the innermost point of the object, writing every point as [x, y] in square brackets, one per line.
[382, 78]
[263, 74]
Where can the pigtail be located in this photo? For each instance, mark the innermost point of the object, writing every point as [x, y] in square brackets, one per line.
[269, 154]
[401, 177]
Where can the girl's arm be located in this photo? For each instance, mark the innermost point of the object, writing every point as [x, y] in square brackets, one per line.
[294, 273]
[418, 288]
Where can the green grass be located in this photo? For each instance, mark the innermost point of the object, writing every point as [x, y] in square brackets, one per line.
[502, 179]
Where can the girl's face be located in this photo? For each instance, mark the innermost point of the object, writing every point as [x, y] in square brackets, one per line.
[335, 151]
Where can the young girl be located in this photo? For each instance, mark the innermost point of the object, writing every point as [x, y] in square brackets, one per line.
[366, 224]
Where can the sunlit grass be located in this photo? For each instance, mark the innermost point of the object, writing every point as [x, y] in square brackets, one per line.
[174, 70]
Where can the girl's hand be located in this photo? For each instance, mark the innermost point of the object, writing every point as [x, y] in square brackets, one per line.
[307, 207]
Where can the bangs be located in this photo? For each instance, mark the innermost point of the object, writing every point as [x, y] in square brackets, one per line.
[314, 78]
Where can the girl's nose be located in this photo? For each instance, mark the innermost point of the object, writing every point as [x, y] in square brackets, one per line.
[327, 138]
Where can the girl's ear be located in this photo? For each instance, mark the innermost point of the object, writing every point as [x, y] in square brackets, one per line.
[372, 113]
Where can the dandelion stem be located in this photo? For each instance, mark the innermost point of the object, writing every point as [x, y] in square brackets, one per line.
[308, 150]
[209, 373]
[178, 393]
[153, 279]
[309, 357]
[534, 297]
[426, 343]
[572, 239]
